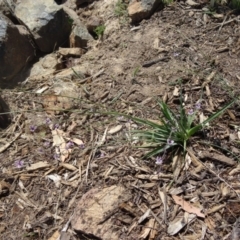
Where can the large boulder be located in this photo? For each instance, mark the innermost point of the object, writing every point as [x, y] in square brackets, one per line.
[15, 49]
[49, 24]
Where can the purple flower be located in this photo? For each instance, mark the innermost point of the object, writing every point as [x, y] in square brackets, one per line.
[40, 151]
[33, 128]
[198, 105]
[56, 156]
[190, 112]
[69, 145]
[19, 163]
[102, 155]
[46, 144]
[170, 142]
[81, 146]
[159, 160]
[56, 126]
[48, 121]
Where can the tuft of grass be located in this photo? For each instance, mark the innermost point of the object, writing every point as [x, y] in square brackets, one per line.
[167, 2]
[99, 30]
[173, 131]
[121, 12]
[235, 4]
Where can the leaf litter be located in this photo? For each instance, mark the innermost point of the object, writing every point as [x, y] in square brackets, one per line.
[91, 177]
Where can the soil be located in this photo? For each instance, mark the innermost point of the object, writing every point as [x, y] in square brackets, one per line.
[179, 52]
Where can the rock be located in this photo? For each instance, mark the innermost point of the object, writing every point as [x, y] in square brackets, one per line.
[92, 23]
[80, 35]
[49, 24]
[139, 10]
[92, 211]
[46, 66]
[15, 49]
[71, 4]
[71, 52]
[6, 8]
[76, 72]
[5, 117]
[61, 97]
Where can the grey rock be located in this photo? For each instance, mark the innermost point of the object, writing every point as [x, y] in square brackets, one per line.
[15, 49]
[7, 8]
[79, 36]
[49, 24]
[139, 10]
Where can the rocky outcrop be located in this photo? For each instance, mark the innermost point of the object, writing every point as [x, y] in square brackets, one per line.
[15, 49]
[49, 24]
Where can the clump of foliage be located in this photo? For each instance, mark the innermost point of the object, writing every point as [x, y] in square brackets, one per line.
[99, 30]
[121, 12]
[167, 2]
[235, 4]
[174, 130]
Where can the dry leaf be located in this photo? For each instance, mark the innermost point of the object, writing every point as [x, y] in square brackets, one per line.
[187, 206]
[146, 230]
[41, 90]
[38, 165]
[57, 137]
[4, 187]
[71, 127]
[144, 216]
[192, 3]
[55, 236]
[68, 166]
[56, 178]
[177, 165]
[202, 118]
[179, 222]
[176, 92]
[232, 116]
[115, 129]
[187, 162]
[77, 141]
[215, 208]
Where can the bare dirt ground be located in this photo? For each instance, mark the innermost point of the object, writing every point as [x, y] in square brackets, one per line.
[196, 53]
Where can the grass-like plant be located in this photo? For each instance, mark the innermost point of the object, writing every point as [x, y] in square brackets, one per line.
[235, 4]
[121, 12]
[173, 130]
[99, 30]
